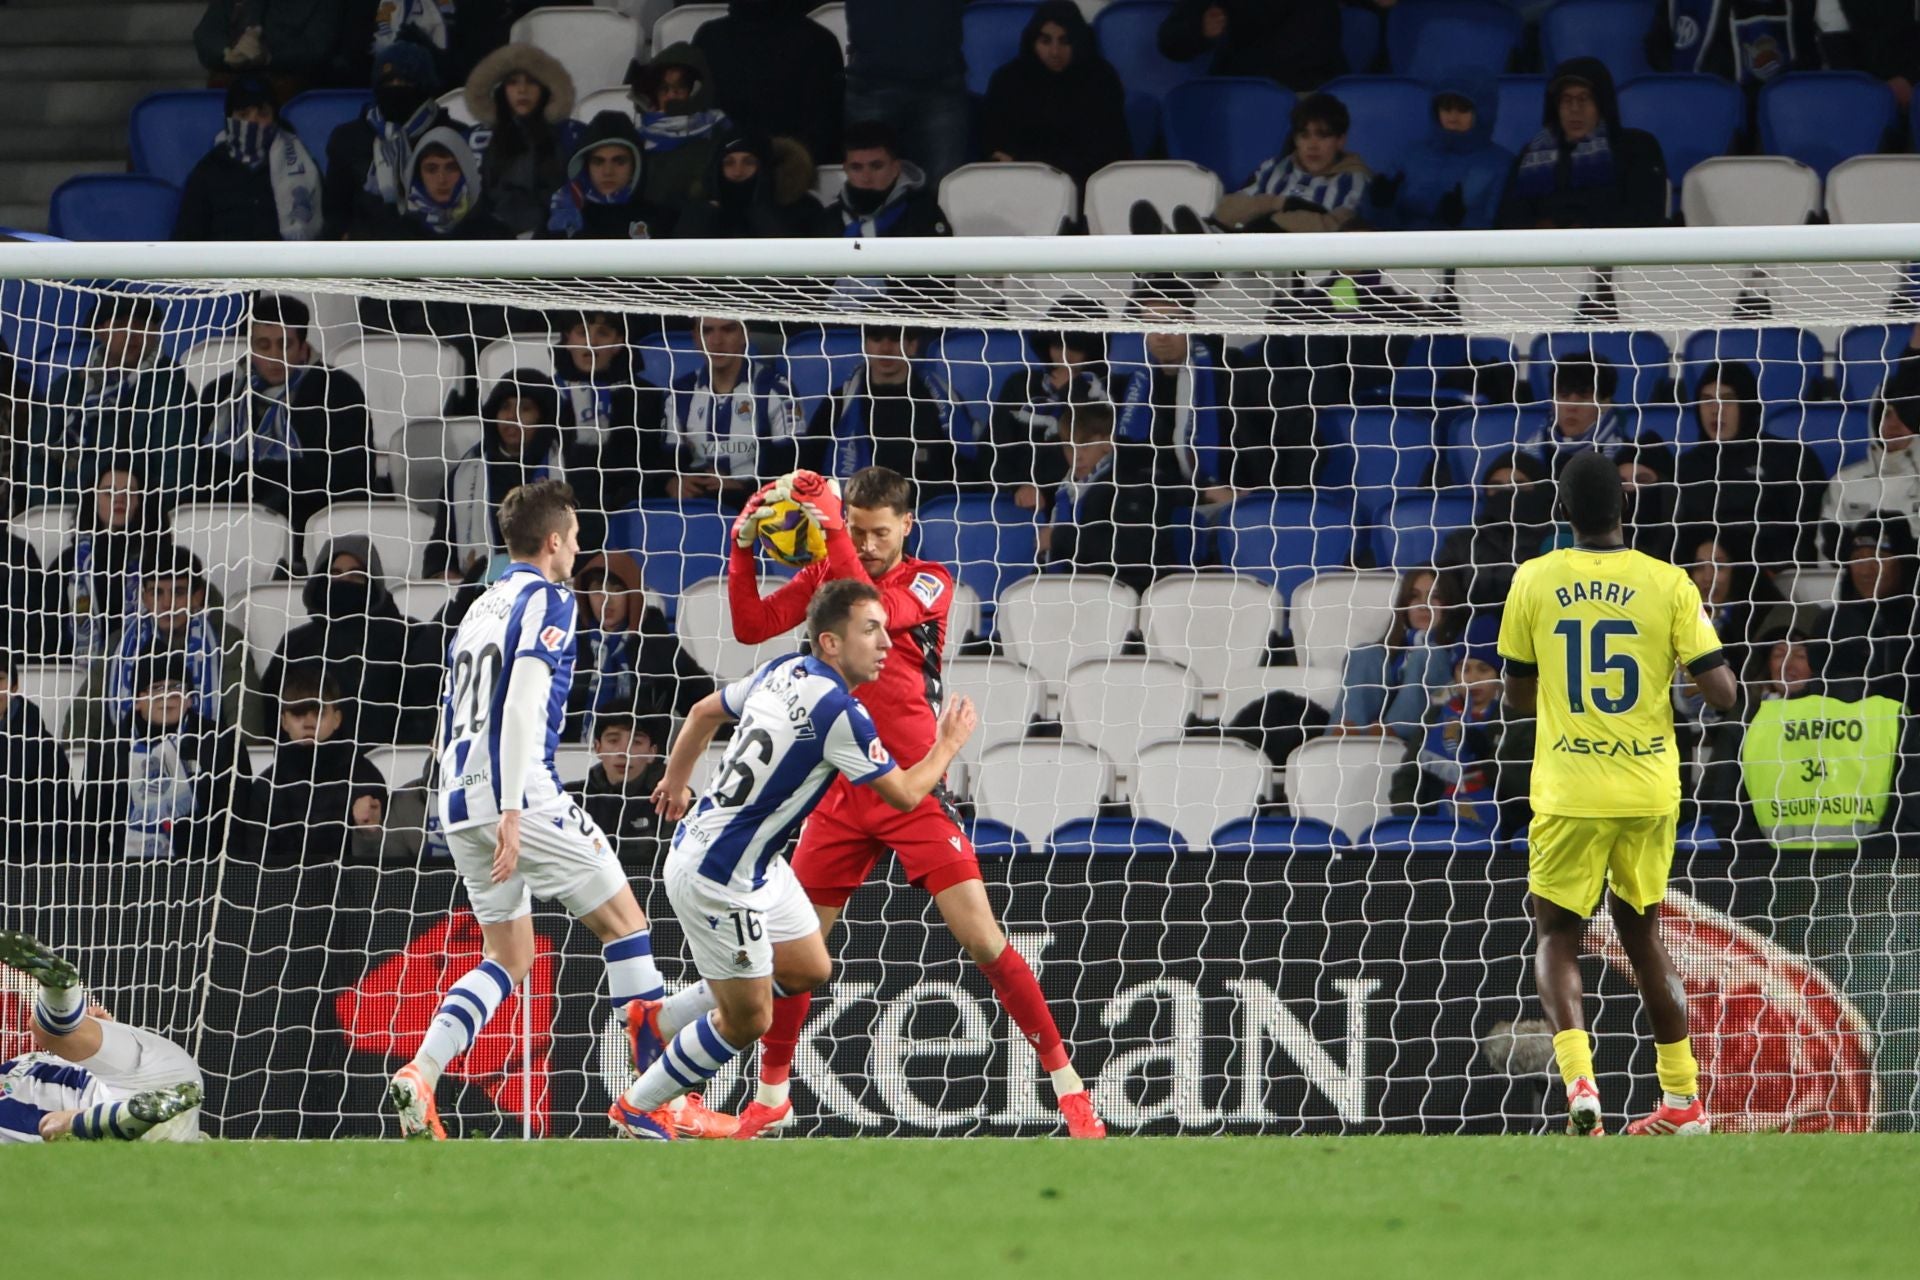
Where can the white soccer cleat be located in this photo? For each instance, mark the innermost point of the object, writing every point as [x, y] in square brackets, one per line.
[412, 1100]
[1583, 1110]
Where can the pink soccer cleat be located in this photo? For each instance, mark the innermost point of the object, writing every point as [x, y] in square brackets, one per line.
[1675, 1122]
[1082, 1120]
[759, 1117]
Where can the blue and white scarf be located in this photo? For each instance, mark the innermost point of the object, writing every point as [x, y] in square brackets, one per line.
[294, 176]
[430, 20]
[393, 149]
[96, 599]
[663, 131]
[1196, 439]
[202, 648]
[1539, 172]
[1070, 499]
[268, 436]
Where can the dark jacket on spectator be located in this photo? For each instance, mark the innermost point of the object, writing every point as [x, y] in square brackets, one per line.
[906, 208]
[613, 429]
[351, 199]
[913, 44]
[1296, 42]
[302, 807]
[777, 71]
[1024, 433]
[577, 211]
[1747, 41]
[914, 429]
[294, 451]
[679, 144]
[1447, 180]
[226, 198]
[1878, 640]
[302, 37]
[626, 813]
[1615, 177]
[1882, 39]
[467, 216]
[1074, 119]
[1511, 525]
[776, 201]
[1105, 523]
[1762, 491]
[36, 795]
[154, 792]
[522, 161]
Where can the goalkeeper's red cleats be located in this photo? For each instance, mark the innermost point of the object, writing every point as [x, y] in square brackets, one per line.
[1082, 1120]
[759, 1117]
[1669, 1121]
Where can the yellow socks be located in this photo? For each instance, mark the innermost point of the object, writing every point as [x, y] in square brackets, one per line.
[1573, 1050]
[1679, 1073]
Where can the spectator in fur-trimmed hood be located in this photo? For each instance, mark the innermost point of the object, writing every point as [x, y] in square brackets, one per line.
[523, 99]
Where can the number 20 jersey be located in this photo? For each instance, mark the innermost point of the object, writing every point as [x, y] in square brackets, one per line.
[799, 726]
[521, 616]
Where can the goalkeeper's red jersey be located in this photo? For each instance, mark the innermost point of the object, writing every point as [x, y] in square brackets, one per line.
[916, 595]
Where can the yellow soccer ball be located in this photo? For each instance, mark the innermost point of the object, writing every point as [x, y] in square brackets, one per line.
[790, 536]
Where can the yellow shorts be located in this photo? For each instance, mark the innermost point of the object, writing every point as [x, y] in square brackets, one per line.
[1571, 860]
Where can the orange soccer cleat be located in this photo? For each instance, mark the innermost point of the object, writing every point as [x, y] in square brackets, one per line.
[412, 1100]
[1671, 1121]
[759, 1117]
[1082, 1120]
[1583, 1110]
[693, 1119]
[651, 1126]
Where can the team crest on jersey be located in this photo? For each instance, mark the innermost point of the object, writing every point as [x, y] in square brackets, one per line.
[927, 587]
[552, 638]
[877, 752]
[741, 960]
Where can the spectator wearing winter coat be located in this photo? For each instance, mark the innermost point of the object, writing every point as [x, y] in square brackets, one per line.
[1387, 687]
[1316, 185]
[442, 197]
[629, 762]
[117, 539]
[1455, 177]
[1879, 37]
[1294, 42]
[1874, 630]
[36, 787]
[322, 802]
[523, 99]
[732, 423]
[626, 654]
[905, 68]
[1887, 480]
[611, 416]
[605, 195]
[1747, 41]
[1512, 523]
[1761, 493]
[1742, 604]
[777, 72]
[29, 600]
[1584, 168]
[259, 182]
[1101, 517]
[1067, 366]
[297, 38]
[1651, 501]
[458, 32]
[284, 429]
[1456, 753]
[368, 160]
[1584, 415]
[758, 187]
[885, 195]
[519, 444]
[679, 125]
[1059, 101]
[898, 413]
[1173, 400]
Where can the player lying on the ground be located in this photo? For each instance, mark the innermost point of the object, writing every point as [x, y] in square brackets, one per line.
[866, 542]
[91, 1078]
[514, 834]
[1591, 634]
[750, 927]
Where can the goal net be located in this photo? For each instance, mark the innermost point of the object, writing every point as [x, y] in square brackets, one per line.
[1230, 522]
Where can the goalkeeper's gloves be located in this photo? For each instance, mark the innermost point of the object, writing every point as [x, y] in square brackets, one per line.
[819, 497]
[746, 526]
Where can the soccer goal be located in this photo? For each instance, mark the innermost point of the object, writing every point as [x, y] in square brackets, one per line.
[1231, 521]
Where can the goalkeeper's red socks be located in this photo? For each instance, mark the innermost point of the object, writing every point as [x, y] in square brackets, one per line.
[778, 1046]
[1019, 991]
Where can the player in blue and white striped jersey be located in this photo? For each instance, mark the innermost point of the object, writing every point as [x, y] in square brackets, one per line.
[750, 927]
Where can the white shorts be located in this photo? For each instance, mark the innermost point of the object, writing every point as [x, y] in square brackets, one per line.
[132, 1060]
[731, 933]
[564, 857]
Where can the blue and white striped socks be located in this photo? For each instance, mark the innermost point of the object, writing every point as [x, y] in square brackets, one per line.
[631, 973]
[60, 1009]
[466, 1007]
[694, 1057]
[108, 1122]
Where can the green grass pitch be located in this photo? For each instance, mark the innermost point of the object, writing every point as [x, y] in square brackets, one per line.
[1749, 1207]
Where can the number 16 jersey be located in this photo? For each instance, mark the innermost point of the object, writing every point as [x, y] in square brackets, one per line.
[1605, 630]
[521, 616]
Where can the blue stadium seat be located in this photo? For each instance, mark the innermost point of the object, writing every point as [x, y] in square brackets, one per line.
[1432, 360]
[316, 113]
[1614, 31]
[113, 206]
[1285, 538]
[1867, 354]
[1415, 526]
[1278, 835]
[168, 132]
[1823, 117]
[1379, 453]
[990, 37]
[1784, 361]
[1695, 117]
[1473, 437]
[819, 361]
[1838, 434]
[1522, 101]
[997, 839]
[1086, 837]
[676, 543]
[185, 322]
[666, 356]
[1360, 38]
[1641, 359]
[1427, 834]
[1426, 39]
[1129, 35]
[975, 362]
[988, 542]
[1227, 123]
[1669, 422]
[1697, 836]
[1390, 114]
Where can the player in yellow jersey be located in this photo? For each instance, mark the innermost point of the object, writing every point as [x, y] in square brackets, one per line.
[1591, 635]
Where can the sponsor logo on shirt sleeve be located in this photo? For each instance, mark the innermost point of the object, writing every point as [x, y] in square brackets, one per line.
[927, 587]
[877, 752]
[553, 637]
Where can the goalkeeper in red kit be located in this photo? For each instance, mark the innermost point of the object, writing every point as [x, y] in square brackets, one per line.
[866, 535]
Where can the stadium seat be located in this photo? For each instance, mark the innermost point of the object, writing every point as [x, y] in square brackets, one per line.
[1278, 835]
[400, 534]
[997, 840]
[1668, 422]
[589, 105]
[400, 766]
[819, 361]
[704, 625]
[1053, 621]
[1344, 782]
[1473, 438]
[596, 45]
[1838, 434]
[1121, 704]
[1216, 625]
[207, 362]
[51, 687]
[988, 542]
[834, 18]
[1285, 538]
[264, 615]
[1810, 584]
[422, 599]
[1519, 116]
[1008, 199]
[1823, 117]
[454, 103]
[1866, 355]
[168, 132]
[667, 356]
[1415, 526]
[405, 378]
[316, 113]
[1523, 298]
[45, 528]
[515, 351]
[677, 544]
[1390, 114]
[1614, 31]
[1642, 361]
[1874, 189]
[1695, 117]
[990, 37]
[1749, 191]
[1112, 191]
[1784, 361]
[963, 620]
[1427, 834]
[421, 456]
[1197, 787]
[1228, 124]
[1431, 39]
[239, 546]
[1361, 38]
[1430, 374]
[828, 181]
[573, 762]
[975, 362]
[113, 206]
[1005, 694]
[1096, 837]
[1374, 455]
[1336, 613]
[1128, 32]
[1038, 786]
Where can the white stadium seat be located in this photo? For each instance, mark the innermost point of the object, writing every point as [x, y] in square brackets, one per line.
[1316, 684]
[333, 320]
[573, 763]
[1121, 704]
[205, 363]
[239, 546]
[828, 180]
[1052, 621]
[404, 378]
[422, 600]
[1749, 191]
[260, 759]
[617, 100]
[704, 625]
[1213, 624]
[51, 687]
[1198, 787]
[1522, 297]
[454, 103]
[44, 528]
[1004, 693]
[1346, 783]
[1874, 189]
[1112, 192]
[1008, 200]
[400, 766]
[963, 620]
[834, 18]
[265, 615]
[1335, 613]
[515, 351]
[678, 24]
[400, 534]
[594, 45]
[421, 455]
[1036, 786]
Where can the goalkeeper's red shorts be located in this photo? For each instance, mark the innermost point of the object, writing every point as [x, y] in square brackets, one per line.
[853, 826]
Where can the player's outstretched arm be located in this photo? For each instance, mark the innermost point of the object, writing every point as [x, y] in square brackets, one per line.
[906, 788]
[757, 618]
[670, 797]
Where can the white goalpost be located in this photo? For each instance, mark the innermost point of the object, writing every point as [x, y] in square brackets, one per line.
[1230, 519]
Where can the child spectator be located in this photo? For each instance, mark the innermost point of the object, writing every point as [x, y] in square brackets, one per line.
[1456, 177]
[519, 444]
[441, 196]
[678, 122]
[1316, 185]
[367, 159]
[1888, 478]
[897, 413]
[1585, 169]
[259, 182]
[323, 802]
[36, 787]
[630, 761]
[1102, 515]
[1584, 416]
[1067, 366]
[1059, 101]
[777, 71]
[1387, 686]
[1295, 42]
[757, 187]
[1457, 752]
[885, 195]
[523, 99]
[606, 193]
[99, 572]
[1761, 492]
[732, 423]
